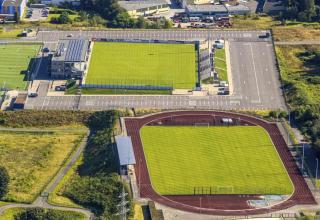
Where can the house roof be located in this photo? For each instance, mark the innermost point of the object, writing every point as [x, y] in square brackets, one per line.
[233, 8]
[207, 8]
[140, 4]
[125, 150]
[273, 6]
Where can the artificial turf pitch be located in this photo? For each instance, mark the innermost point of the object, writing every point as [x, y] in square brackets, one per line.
[184, 160]
[155, 64]
[14, 62]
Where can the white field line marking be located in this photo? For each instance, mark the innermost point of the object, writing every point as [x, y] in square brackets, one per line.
[255, 73]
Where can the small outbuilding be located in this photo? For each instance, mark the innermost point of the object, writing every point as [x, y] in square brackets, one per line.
[125, 152]
[136, 8]
[20, 101]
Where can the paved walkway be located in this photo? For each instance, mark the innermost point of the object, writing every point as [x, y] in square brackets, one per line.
[41, 201]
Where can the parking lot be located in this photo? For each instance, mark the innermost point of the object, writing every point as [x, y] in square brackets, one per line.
[37, 14]
[253, 66]
[129, 101]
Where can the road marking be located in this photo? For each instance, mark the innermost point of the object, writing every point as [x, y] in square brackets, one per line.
[43, 102]
[255, 73]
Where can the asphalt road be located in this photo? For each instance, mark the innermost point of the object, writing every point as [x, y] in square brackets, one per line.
[171, 34]
[253, 66]
[254, 72]
[143, 101]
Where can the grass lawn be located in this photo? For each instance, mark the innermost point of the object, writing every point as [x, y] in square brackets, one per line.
[57, 197]
[230, 160]
[220, 64]
[143, 64]
[9, 214]
[33, 158]
[254, 22]
[300, 72]
[297, 32]
[50, 16]
[10, 34]
[14, 63]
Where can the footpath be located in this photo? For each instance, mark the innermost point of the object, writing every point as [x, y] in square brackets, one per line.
[42, 200]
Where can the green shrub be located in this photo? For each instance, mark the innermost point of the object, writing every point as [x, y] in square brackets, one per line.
[4, 181]
[99, 193]
[47, 214]
[34, 118]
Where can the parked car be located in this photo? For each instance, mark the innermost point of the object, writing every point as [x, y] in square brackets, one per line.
[32, 94]
[60, 88]
[45, 50]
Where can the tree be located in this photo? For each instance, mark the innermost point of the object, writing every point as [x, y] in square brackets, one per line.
[141, 23]
[64, 18]
[4, 181]
[83, 16]
[31, 214]
[167, 24]
[316, 145]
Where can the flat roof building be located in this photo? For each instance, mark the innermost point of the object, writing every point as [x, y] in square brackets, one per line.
[70, 59]
[238, 9]
[125, 152]
[216, 10]
[136, 8]
[199, 10]
[273, 7]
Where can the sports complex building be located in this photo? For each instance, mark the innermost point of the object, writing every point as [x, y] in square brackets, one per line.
[70, 59]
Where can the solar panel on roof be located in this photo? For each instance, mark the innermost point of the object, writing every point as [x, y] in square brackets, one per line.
[75, 48]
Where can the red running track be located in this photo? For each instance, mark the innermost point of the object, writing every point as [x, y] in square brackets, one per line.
[215, 204]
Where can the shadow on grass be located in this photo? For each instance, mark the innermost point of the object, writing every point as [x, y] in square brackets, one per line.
[31, 67]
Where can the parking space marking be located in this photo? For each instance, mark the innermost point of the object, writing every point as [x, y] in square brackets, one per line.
[255, 74]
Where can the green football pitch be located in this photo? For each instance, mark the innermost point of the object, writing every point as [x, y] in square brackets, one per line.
[153, 64]
[14, 62]
[184, 160]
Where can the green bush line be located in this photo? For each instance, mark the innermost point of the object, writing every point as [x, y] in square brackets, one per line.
[34, 118]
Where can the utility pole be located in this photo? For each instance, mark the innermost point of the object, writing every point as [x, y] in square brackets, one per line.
[302, 166]
[123, 205]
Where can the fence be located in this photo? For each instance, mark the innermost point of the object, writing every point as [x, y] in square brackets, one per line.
[170, 189]
[146, 41]
[129, 84]
[220, 190]
[129, 87]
